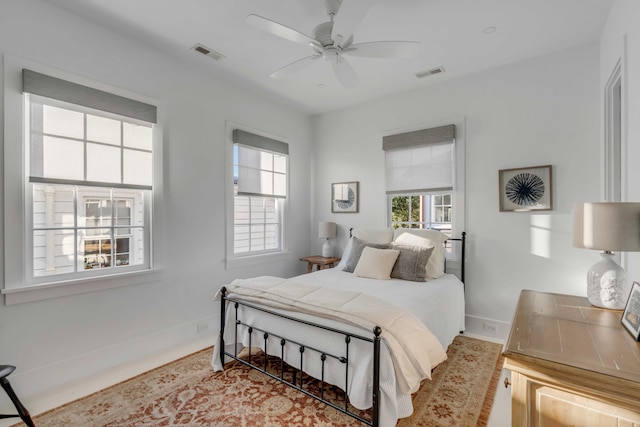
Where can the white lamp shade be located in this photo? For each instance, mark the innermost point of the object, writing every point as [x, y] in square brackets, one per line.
[607, 226]
[327, 230]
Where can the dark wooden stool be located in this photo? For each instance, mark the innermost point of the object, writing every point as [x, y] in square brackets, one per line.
[5, 371]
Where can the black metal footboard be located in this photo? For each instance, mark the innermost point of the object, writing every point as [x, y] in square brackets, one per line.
[296, 382]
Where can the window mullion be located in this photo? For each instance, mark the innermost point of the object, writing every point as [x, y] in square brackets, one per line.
[76, 242]
[122, 152]
[250, 222]
[264, 224]
[85, 148]
[112, 230]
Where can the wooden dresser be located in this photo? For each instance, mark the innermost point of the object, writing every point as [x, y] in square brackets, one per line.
[572, 364]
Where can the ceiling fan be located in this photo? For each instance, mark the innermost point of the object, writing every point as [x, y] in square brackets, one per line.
[333, 40]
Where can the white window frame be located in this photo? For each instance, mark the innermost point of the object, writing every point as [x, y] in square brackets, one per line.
[80, 196]
[430, 223]
[122, 195]
[614, 147]
[241, 260]
[19, 286]
[458, 192]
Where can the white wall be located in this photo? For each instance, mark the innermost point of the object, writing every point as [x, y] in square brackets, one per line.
[621, 42]
[60, 340]
[541, 111]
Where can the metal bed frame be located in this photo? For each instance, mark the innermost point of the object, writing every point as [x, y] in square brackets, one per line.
[297, 383]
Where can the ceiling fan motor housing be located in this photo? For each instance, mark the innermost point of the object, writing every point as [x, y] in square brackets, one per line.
[322, 33]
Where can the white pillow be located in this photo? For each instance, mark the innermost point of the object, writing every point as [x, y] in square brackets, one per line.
[433, 235]
[425, 238]
[376, 263]
[372, 235]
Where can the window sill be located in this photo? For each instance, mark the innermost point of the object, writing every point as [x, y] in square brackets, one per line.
[249, 260]
[45, 291]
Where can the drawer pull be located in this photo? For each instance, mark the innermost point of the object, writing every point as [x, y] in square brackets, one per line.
[507, 383]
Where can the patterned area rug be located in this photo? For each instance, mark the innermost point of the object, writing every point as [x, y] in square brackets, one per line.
[188, 393]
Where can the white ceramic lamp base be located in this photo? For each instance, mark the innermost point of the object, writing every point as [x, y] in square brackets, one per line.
[607, 285]
[326, 249]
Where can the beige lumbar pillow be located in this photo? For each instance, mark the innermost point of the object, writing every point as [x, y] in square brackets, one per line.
[376, 263]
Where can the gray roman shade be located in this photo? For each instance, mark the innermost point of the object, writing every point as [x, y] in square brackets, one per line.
[420, 137]
[420, 161]
[62, 90]
[261, 165]
[249, 139]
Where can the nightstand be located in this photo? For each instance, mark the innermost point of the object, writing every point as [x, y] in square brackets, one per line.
[571, 364]
[320, 262]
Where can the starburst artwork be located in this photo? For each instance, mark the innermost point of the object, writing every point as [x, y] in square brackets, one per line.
[525, 189]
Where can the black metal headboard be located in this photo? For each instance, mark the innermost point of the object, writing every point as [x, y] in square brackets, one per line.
[462, 239]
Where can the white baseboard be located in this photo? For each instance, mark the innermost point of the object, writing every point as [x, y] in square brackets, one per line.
[72, 379]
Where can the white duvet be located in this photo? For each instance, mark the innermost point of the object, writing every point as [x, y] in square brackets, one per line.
[439, 304]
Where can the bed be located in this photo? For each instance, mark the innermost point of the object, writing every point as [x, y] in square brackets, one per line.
[376, 367]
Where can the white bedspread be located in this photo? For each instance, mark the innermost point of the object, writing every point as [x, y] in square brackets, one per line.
[414, 349]
[439, 304]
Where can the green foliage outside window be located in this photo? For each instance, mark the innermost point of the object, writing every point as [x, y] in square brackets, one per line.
[405, 209]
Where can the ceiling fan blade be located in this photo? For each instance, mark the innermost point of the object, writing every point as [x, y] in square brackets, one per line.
[279, 30]
[294, 66]
[387, 49]
[349, 16]
[345, 73]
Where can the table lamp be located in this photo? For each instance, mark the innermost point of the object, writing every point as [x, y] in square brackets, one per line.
[607, 227]
[327, 230]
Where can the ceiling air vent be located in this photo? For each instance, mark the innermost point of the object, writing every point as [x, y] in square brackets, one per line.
[208, 52]
[430, 72]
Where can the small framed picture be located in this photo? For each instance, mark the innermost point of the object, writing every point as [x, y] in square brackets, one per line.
[631, 314]
[525, 189]
[344, 197]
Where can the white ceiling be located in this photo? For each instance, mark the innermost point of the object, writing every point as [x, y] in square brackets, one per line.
[451, 33]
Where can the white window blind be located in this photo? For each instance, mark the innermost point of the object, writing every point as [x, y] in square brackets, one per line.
[261, 167]
[420, 161]
[83, 136]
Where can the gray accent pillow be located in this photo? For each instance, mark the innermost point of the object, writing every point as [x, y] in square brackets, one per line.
[357, 246]
[411, 263]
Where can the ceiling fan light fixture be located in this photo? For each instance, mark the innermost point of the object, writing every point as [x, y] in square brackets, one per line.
[331, 54]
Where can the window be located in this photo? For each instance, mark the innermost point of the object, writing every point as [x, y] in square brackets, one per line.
[77, 228]
[260, 188]
[422, 211]
[88, 182]
[424, 179]
[110, 218]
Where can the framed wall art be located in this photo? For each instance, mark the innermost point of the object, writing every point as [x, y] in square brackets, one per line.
[344, 197]
[525, 189]
[631, 314]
